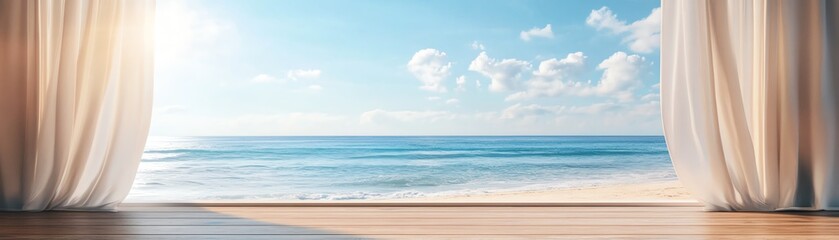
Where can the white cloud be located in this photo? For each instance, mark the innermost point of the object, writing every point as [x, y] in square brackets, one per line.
[552, 68]
[316, 88]
[478, 46]
[545, 32]
[621, 74]
[461, 83]
[263, 78]
[643, 35]
[650, 97]
[433, 98]
[477, 84]
[299, 74]
[603, 18]
[554, 77]
[452, 101]
[505, 74]
[431, 68]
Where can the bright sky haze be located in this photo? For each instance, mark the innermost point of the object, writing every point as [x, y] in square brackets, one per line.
[256, 68]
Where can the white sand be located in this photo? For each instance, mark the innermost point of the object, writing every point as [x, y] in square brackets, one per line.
[670, 191]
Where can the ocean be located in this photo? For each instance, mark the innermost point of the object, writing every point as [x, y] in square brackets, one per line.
[379, 168]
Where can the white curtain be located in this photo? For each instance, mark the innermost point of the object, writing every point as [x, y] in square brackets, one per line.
[750, 101]
[75, 101]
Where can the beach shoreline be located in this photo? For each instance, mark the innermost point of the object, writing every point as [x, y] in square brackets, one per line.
[633, 192]
[659, 191]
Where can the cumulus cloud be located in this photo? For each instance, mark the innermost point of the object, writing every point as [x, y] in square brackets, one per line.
[504, 74]
[544, 32]
[461, 83]
[621, 76]
[477, 84]
[299, 74]
[569, 65]
[478, 46]
[263, 78]
[433, 98]
[643, 36]
[604, 18]
[431, 68]
[554, 77]
[452, 101]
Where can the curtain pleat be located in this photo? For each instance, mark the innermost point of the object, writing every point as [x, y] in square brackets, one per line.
[77, 91]
[749, 101]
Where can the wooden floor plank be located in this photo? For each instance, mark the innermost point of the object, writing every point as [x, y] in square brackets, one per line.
[422, 222]
[430, 237]
[417, 215]
[421, 230]
[410, 209]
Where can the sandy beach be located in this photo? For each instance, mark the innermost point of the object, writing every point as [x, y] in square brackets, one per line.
[642, 192]
[665, 191]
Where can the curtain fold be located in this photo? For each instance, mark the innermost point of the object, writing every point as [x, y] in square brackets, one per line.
[76, 99]
[749, 101]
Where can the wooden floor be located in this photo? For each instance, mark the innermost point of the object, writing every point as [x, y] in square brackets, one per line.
[419, 222]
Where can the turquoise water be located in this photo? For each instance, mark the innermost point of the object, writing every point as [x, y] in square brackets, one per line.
[357, 168]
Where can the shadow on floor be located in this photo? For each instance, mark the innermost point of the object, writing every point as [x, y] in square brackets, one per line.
[161, 223]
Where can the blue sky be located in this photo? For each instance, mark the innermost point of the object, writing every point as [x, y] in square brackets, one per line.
[406, 68]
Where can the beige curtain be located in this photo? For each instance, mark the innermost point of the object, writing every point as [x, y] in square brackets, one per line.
[75, 101]
[749, 101]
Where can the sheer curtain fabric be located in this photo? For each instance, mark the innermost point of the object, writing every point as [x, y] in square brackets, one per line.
[749, 101]
[75, 98]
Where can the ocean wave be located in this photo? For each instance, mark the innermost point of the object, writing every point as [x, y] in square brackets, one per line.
[404, 181]
[390, 168]
[509, 154]
[474, 188]
[319, 196]
[389, 153]
[149, 156]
